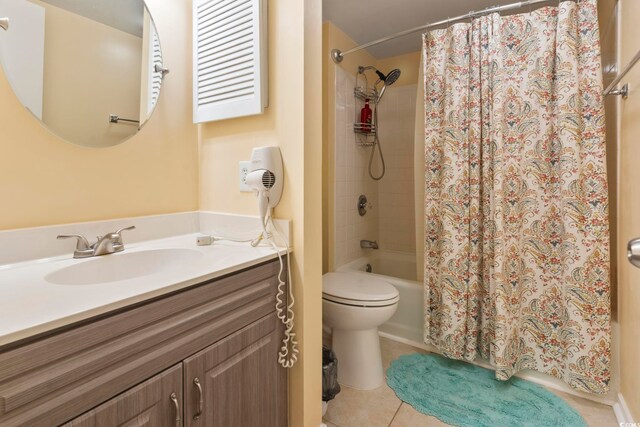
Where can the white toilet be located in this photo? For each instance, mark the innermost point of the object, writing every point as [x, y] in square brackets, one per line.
[354, 305]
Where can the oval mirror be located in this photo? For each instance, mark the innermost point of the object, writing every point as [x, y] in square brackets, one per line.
[89, 70]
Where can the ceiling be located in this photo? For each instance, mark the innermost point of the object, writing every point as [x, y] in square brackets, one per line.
[369, 20]
[124, 15]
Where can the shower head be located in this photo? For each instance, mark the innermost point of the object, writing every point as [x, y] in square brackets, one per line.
[387, 80]
[390, 78]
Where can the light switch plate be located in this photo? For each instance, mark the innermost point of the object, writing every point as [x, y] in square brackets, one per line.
[243, 172]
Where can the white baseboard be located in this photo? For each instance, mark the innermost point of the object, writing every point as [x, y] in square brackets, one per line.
[620, 408]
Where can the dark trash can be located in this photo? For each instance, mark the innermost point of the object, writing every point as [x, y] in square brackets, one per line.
[330, 386]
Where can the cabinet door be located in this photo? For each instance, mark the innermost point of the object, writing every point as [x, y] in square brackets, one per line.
[156, 402]
[238, 382]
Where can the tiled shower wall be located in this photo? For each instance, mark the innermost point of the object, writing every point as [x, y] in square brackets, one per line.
[351, 179]
[396, 200]
[391, 219]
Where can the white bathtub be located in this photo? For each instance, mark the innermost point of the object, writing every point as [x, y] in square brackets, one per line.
[406, 325]
[399, 269]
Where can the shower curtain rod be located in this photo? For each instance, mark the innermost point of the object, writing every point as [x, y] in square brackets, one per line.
[337, 55]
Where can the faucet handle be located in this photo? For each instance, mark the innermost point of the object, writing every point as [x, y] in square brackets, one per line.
[131, 227]
[117, 238]
[81, 245]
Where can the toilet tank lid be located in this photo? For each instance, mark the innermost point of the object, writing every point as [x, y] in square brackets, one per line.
[358, 287]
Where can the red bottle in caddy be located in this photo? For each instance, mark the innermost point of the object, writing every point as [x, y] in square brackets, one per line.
[366, 116]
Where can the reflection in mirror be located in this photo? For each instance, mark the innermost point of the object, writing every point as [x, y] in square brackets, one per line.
[86, 69]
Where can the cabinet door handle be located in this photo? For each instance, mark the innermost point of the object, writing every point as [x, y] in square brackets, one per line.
[196, 382]
[174, 399]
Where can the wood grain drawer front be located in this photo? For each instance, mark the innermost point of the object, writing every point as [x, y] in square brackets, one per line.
[156, 402]
[241, 382]
[52, 380]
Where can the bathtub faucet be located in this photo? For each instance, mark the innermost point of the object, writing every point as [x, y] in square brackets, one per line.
[368, 244]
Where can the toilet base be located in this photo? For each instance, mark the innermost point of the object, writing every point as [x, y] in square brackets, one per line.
[359, 358]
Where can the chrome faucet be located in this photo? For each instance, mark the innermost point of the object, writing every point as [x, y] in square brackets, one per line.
[107, 244]
[368, 244]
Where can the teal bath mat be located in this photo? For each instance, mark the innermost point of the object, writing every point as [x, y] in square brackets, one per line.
[466, 395]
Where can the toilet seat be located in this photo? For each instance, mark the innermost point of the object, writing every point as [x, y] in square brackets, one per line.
[358, 289]
[360, 303]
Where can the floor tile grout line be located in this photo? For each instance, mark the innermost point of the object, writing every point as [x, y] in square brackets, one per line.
[396, 414]
[328, 420]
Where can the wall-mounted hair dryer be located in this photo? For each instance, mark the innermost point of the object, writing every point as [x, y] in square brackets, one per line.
[266, 177]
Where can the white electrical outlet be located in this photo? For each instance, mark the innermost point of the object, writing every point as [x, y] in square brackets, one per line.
[244, 171]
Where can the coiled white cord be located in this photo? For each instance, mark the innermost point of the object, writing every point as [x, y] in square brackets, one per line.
[288, 354]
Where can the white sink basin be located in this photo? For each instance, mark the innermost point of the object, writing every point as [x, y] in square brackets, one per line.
[122, 266]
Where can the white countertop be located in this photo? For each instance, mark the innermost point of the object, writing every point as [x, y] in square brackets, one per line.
[29, 304]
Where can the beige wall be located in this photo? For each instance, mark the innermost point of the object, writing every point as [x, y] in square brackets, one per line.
[408, 63]
[45, 180]
[292, 121]
[91, 70]
[629, 210]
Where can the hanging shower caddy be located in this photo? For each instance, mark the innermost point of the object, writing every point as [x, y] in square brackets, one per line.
[365, 132]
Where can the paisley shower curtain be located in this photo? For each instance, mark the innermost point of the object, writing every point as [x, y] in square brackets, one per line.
[516, 225]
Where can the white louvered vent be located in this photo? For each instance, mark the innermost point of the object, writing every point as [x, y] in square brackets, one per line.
[230, 59]
[155, 82]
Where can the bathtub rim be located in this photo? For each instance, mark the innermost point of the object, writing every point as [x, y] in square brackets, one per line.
[352, 266]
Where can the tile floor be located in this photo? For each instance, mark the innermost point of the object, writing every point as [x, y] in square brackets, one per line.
[381, 407]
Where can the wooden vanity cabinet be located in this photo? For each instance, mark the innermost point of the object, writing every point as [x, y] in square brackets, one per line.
[237, 381]
[137, 366]
[156, 402]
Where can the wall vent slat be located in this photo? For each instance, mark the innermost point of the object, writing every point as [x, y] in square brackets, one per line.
[229, 59]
